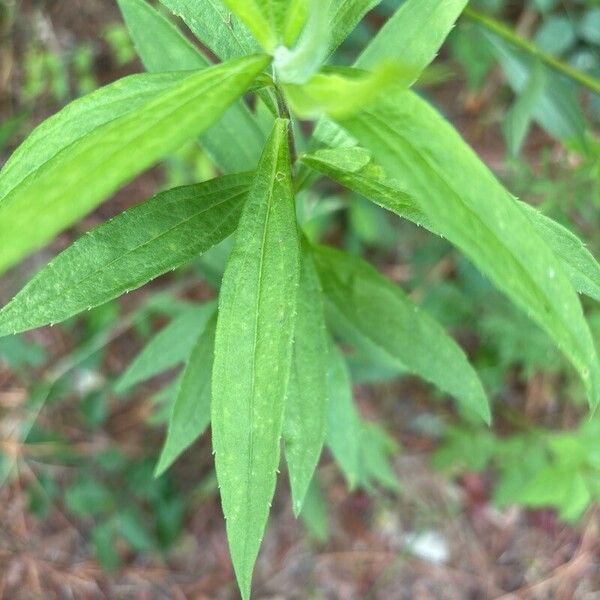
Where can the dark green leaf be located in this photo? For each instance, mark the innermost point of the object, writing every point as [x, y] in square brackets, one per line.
[306, 403]
[453, 188]
[384, 320]
[191, 411]
[215, 26]
[128, 251]
[253, 353]
[353, 167]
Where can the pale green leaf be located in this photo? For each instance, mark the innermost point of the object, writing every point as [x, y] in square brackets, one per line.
[297, 14]
[168, 348]
[343, 420]
[306, 405]
[253, 353]
[297, 65]
[353, 167]
[339, 94]
[264, 18]
[455, 191]
[128, 251]
[344, 16]
[413, 35]
[215, 26]
[80, 118]
[190, 415]
[386, 321]
[273, 22]
[83, 174]
[159, 44]
[234, 141]
[411, 38]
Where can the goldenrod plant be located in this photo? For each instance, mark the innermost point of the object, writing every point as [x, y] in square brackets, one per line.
[264, 366]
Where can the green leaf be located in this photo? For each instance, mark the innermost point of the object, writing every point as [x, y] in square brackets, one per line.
[308, 55]
[297, 13]
[264, 18]
[384, 320]
[376, 449]
[343, 421]
[338, 94]
[191, 412]
[344, 16]
[354, 168]
[413, 35]
[215, 26]
[576, 260]
[314, 513]
[81, 175]
[517, 120]
[78, 119]
[453, 188]
[170, 347]
[253, 353]
[233, 142]
[306, 404]
[160, 45]
[273, 22]
[128, 251]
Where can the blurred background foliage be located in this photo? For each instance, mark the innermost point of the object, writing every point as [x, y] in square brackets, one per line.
[83, 407]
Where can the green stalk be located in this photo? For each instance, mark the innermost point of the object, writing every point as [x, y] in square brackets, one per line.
[499, 28]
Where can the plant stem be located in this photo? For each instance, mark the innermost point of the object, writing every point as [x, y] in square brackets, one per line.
[499, 28]
[284, 113]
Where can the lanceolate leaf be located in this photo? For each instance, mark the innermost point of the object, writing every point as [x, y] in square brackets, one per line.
[234, 141]
[457, 193]
[339, 95]
[411, 39]
[83, 174]
[78, 119]
[191, 412]
[265, 18]
[413, 35]
[215, 26]
[306, 404]
[343, 421]
[253, 353]
[168, 348]
[384, 320]
[160, 45]
[577, 261]
[345, 15]
[354, 168]
[308, 55]
[128, 251]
